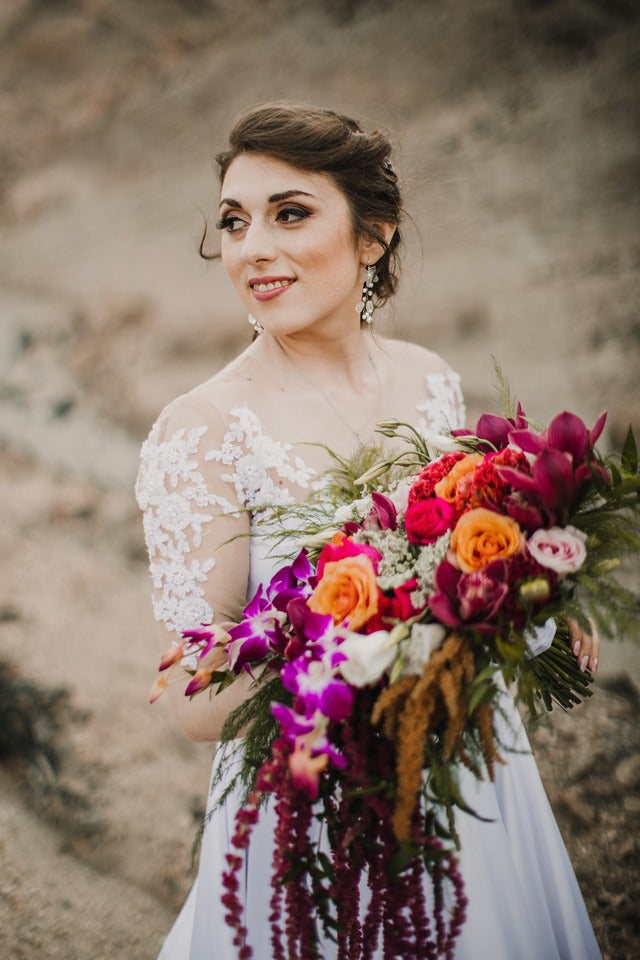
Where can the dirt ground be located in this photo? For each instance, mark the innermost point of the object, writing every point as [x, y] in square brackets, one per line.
[518, 141]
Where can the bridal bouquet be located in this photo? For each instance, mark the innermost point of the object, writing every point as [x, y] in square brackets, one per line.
[380, 653]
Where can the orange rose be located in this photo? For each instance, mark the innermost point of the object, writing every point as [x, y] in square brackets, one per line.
[482, 536]
[447, 487]
[347, 590]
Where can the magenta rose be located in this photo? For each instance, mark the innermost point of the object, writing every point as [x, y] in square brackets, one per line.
[426, 520]
[341, 547]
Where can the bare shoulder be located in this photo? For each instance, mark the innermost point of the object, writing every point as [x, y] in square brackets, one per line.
[212, 401]
[412, 356]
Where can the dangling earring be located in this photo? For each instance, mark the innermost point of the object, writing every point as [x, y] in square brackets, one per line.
[257, 326]
[365, 307]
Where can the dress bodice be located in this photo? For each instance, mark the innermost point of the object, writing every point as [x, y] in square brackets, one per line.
[203, 474]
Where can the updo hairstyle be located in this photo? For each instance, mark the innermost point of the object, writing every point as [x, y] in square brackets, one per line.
[322, 141]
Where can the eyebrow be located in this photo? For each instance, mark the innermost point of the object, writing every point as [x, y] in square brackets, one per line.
[274, 198]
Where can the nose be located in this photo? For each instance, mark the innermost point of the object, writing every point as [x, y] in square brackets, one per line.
[258, 244]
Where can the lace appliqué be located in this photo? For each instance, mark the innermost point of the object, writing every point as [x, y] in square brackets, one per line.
[444, 409]
[176, 505]
[256, 458]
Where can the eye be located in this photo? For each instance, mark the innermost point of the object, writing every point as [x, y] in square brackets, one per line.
[230, 223]
[292, 214]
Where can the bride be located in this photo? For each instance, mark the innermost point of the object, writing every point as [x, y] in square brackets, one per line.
[309, 226]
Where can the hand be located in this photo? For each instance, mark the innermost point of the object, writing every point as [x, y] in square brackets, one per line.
[585, 646]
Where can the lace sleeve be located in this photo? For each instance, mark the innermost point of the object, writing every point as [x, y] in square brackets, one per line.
[444, 408]
[193, 527]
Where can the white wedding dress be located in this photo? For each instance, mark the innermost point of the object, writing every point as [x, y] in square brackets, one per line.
[524, 900]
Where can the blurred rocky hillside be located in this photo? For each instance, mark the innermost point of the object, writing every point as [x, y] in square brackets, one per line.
[519, 143]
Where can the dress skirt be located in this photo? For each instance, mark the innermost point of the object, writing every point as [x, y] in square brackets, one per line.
[524, 900]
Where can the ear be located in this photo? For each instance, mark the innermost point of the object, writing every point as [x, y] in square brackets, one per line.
[371, 251]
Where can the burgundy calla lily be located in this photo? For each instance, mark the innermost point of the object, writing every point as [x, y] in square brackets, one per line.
[527, 515]
[383, 514]
[564, 462]
[495, 430]
[469, 599]
[566, 432]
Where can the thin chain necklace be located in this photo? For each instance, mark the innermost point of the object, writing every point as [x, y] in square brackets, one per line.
[302, 376]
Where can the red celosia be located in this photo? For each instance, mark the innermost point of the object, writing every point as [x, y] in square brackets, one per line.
[484, 486]
[433, 473]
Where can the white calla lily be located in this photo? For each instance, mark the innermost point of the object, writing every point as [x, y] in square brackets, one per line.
[424, 639]
[368, 657]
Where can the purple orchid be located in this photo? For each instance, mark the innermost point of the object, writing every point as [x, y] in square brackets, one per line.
[322, 744]
[305, 768]
[259, 632]
[309, 758]
[314, 630]
[292, 724]
[172, 655]
[199, 681]
[204, 638]
[294, 580]
[317, 688]
[469, 599]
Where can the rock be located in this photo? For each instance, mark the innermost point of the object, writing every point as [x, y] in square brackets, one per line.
[632, 803]
[73, 501]
[622, 685]
[627, 772]
[570, 801]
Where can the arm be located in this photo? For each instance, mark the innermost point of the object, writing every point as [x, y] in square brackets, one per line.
[198, 546]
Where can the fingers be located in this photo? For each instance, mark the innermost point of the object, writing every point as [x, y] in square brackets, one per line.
[585, 645]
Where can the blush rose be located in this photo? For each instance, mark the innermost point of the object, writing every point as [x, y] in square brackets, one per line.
[559, 548]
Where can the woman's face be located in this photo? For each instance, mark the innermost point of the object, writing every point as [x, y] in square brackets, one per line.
[288, 246]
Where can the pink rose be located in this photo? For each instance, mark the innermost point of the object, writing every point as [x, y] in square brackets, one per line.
[340, 547]
[560, 548]
[426, 520]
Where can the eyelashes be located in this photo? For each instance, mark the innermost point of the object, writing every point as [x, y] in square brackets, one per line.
[293, 214]
[287, 215]
[228, 223]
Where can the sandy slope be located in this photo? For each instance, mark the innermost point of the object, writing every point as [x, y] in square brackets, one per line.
[515, 122]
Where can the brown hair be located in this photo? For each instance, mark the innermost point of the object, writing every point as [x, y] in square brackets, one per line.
[326, 142]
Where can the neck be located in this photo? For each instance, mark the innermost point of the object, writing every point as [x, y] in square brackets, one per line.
[345, 358]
